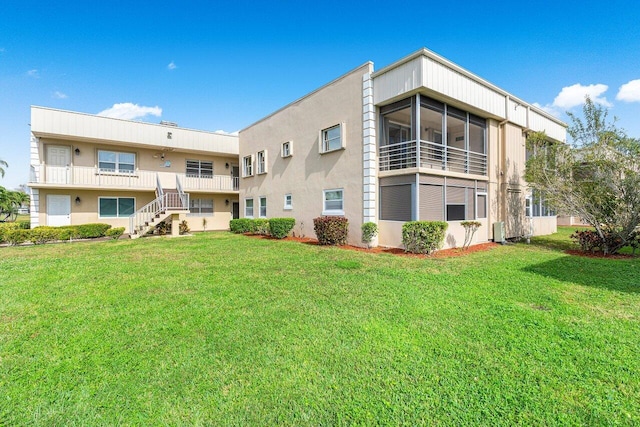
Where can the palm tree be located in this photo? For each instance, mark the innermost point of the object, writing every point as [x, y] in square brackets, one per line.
[3, 165]
[10, 201]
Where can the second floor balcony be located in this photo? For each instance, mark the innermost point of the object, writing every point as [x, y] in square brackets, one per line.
[139, 180]
[409, 154]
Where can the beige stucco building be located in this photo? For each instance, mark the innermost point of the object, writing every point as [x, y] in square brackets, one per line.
[87, 169]
[421, 139]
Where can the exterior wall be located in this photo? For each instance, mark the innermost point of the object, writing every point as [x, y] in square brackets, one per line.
[544, 225]
[571, 220]
[307, 173]
[514, 186]
[390, 234]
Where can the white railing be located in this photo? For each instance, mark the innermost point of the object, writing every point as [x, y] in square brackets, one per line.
[403, 155]
[83, 176]
[144, 216]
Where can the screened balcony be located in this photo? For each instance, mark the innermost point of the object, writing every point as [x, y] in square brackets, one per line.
[446, 139]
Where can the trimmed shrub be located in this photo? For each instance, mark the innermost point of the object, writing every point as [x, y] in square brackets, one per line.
[241, 225]
[261, 226]
[280, 227]
[16, 236]
[331, 230]
[24, 225]
[369, 232]
[68, 232]
[183, 227]
[423, 237]
[44, 234]
[115, 232]
[90, 231]
[5, 227]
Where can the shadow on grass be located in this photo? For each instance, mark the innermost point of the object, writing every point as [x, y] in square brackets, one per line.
[615, 275]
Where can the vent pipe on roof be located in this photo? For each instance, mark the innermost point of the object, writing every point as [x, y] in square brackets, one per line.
[166, 123]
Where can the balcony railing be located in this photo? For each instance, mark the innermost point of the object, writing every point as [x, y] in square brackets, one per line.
[403, 155]
[81, 176]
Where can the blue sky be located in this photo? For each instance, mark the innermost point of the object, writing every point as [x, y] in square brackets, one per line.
[223, 65]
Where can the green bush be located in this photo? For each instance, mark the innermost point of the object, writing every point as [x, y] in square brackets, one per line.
[261, 226]
[16, 236]
[90, 231]
[44, 234]
[331, 230]
[115, 232]
[68, 232]
[369, 232]
[183, 227]
[5, 227]
[241, 225]
[280, 227]
[423, 237]
[24, 225]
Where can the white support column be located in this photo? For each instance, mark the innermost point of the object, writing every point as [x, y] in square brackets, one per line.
[34, 176]
[370, 158]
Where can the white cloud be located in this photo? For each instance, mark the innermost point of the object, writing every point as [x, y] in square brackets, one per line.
[33, 73]
[59, 95]
[629, 92]
[172, 65]
[129, 111]
[572, 96]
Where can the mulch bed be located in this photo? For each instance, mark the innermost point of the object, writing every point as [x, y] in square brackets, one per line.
[578, 252]
[445, 253]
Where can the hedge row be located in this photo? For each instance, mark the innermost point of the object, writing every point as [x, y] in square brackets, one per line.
[43, 234]
[274, 227]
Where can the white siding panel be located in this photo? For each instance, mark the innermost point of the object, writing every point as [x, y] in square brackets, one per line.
[517, 113]
[71, 125]
[442, 79]
[397, 81]
[538, 122]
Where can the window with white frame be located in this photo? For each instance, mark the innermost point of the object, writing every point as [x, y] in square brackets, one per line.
[261, 162]
[537, 206]
[263, 207]
[333, 202]
[288, 201]
[331, 139]
[287, 149]
[116, 207]
[248, 208]
[201, 207]
[113, 161]
[247, 165]
[199, 169]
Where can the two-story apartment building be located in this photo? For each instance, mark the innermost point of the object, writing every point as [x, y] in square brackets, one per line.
[421, 139]
[87, 168]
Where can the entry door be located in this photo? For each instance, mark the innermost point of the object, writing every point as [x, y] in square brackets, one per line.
[236, 210]
[58, 160]
[58, 210]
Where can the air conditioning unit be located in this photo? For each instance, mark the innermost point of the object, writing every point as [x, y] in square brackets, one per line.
[498, 232]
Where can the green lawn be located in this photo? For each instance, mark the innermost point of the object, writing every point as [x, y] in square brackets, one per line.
[230, 330]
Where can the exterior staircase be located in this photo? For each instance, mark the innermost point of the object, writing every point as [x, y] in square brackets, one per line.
[168, 202]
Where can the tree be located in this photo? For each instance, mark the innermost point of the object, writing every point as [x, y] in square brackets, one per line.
[596, 177]
[10, 201]
[3, 165]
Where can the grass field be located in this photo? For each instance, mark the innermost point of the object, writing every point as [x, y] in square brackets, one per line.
[220, 329]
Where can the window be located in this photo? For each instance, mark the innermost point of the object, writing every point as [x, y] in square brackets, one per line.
[287, 149]
[247, 165]
[116, 207]
[536, 205]
[333, 202]
[248, 208]
[288, 201]
[481, 205]
[331, 139]
[263, 207]
[201, 206]
[261, 161]
[112, 161]
[199, 169]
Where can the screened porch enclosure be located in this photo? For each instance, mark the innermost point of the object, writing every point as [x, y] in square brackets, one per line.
[422, 132]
